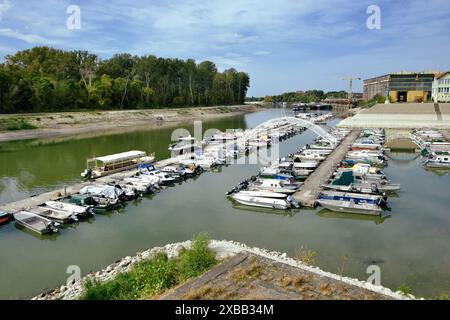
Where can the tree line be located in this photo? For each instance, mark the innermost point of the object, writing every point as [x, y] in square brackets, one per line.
[306, 96]
[47, 79]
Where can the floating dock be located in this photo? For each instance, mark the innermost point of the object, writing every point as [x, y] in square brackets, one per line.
[40, 199]
[310, 190]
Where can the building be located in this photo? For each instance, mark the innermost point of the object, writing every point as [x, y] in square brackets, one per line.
[401, 86]
[441, 88]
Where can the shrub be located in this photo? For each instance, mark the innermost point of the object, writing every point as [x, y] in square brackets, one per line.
[150, 277]
[197, 259]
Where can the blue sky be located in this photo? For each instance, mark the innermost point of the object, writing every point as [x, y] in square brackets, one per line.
[285, 45]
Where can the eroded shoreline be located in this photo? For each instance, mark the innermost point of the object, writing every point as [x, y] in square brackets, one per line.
[88, 124]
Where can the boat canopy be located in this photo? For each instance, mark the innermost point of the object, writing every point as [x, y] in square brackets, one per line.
[106, 191]
[345, 179]
[124, 156]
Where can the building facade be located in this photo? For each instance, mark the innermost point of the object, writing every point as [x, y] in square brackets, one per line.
[400, 87]
[441, 88]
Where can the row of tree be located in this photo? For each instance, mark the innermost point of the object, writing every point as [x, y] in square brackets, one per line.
[306, 96]
[47, 79]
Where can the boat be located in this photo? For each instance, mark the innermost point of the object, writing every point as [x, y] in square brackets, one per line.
[440, 146]
[265, 202]
[273, 185]
[98, 204]
[5, 217]
[439, 161]
[309, 156]
[57, 215]
[106, 165]
[104, 191]
[356, 197]
[366, 144]
[310, 164]
[264, 194]
[35, 222]
[79, 211]
[350, 207]
[185, 145]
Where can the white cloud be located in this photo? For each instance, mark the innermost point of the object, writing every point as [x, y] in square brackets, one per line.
[30, 38]
[4, 6]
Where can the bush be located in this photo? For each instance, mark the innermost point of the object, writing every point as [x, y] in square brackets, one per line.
[197, 259]
[18, 124]
[150, 277]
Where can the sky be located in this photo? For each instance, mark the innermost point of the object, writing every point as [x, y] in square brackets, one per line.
[284, 45]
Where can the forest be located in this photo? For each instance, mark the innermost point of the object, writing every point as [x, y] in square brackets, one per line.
[44, 79]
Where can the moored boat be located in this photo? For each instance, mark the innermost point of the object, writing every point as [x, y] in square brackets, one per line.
[106, 165]
[350, 207]
[35, 222]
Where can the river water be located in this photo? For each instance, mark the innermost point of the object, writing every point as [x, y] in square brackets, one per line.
[410, 245]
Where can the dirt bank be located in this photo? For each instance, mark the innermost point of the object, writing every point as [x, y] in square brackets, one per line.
[67, 124]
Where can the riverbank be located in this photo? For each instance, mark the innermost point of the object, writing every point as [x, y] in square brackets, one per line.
[289, 278]
[87, 124]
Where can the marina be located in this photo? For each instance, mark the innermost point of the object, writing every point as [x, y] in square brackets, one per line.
[171, 214]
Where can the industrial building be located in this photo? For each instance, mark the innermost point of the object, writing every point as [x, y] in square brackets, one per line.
[401, 86]
[441, 88]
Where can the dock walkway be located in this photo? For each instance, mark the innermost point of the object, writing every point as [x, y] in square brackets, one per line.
[311, 188]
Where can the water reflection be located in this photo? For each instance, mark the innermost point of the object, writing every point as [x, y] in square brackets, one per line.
[285, 213]
[325, 213]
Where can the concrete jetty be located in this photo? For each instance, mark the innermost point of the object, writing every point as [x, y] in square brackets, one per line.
[311, 188]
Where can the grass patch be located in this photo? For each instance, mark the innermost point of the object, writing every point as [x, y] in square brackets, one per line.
[14, 124]
[405, 289]
[306, 256]
[151, 277]
[224, 109]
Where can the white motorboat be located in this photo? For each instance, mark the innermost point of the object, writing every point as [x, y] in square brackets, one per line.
[309, 156]
[350, 207]
[58, 215]
[264, 194]
[306, 165]
[264, 202]
[185, 145]
[439, 161]
[273, 185]
[79, 211]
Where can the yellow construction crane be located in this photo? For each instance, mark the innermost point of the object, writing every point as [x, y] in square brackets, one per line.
[350, 87]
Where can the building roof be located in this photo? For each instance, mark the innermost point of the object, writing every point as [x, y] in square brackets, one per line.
[442, 75]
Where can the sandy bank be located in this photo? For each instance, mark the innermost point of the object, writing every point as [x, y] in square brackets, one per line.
[69, 124]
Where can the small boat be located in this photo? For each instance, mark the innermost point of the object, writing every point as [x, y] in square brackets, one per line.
[439, 161]
[265, 202]
[273, 185]
[306, 164]
[79, 211]
[156, 175]
[350, 207]
[356, 197]
[104, 191]
[185, 145]
[98, 204]
[5, 217]
[106, 165]
[57, 215]
[264, 194]
[365, 144]
[309, 156]
[35, 222]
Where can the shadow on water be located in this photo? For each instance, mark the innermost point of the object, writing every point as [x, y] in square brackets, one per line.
[325, 213]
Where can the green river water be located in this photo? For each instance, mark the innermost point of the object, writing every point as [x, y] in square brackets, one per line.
[411, 245]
